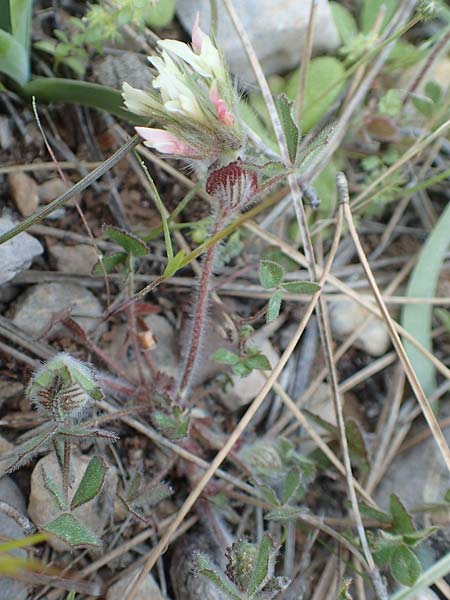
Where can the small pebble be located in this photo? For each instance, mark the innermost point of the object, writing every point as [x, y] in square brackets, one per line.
[24, 192]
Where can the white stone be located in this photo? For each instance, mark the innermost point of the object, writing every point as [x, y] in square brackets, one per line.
[348, 315]
[17, 254]
[79, 259]
[37, 307]
[276, 28]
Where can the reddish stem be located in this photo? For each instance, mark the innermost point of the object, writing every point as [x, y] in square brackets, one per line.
[200, 314]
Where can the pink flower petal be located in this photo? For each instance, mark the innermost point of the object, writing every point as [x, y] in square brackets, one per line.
[165, 142]
[197, 35]
[222, 112]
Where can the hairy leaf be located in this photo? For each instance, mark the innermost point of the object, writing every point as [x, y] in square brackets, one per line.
[72, 531]
[270, 274]
[91, 482]
[405, 566]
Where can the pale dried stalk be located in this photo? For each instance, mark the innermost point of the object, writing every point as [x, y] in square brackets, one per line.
[410, 373]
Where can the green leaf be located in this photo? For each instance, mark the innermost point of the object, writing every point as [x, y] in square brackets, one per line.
[423, 104]
[384, 547]
[174, 425]
[405, 566]
[417, 318]
[444, 317]
[273, 309]
[209, 570]
[20, 18]
[174, 264]
[160, 15]
[13, 58]
[290, 486]
[241, 369]
[370, 10]
[372, 513]
[261, 568]
[129, 242]
[284, 513]
[415, 538]
[434, 91]
[257, 361]
[225, 356]
[344, 21]
[270, 274]
[268, 494]
[285, 112]
[391, 103]
[300, 287]
[52, 487]
[91, 482]
[72, 531]
[73, 91]
[325, 186]
[324, 82]
[109, 263]
[357, 446]
[401, 519]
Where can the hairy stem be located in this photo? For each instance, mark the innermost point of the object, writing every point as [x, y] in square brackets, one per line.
[200, 314]
[66, 470]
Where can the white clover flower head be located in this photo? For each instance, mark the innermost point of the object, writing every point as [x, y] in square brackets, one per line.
[192, 101]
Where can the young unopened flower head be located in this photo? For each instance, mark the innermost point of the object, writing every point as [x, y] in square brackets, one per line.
[193, 101]
[232, 186]
[63, 387]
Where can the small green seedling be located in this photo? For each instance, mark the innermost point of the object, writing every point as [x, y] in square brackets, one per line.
[132, 248]
[280, 472]
[139, 499]
[243, 365]
[393, 546]
[271, 275]
[249, 572]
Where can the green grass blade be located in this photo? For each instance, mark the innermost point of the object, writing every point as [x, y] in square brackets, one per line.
[20, 18]
[72, 91]
[417, 318]
[13, 58]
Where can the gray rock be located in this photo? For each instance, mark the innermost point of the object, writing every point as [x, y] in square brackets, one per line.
[128, 66]
[148, 590]
[24, 191]
[186, 583]
[37, 307]
[9, 528]
[51, 189]
[42, 507]
[276, 28]
[79, 259]
[418, 476]
[17, 254]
